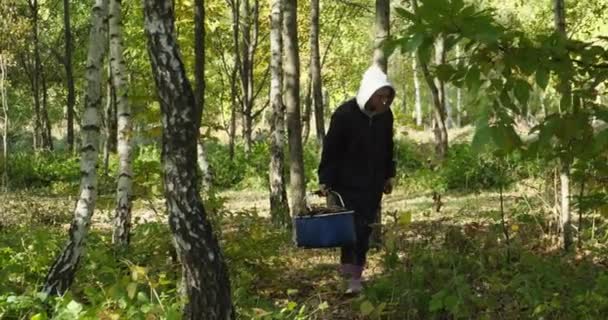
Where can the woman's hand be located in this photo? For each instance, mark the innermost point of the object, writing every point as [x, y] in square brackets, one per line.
[388, 185]
[323, 190]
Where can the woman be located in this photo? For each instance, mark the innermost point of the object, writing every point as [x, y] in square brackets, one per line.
[357, 162]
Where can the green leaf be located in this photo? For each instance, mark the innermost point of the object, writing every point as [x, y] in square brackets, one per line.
[436, 303]
[565, 102]
[482, 139]
[542, 77]
[406, 14]
[472, 79]
[39, 316]
[131, 290]
[425, 49]
[366, 308]
[601, 113]
[522, 91]
[445, 72]
[390, 45]
[291, 305]
[451, 302]
[601, 141]
[413, 43]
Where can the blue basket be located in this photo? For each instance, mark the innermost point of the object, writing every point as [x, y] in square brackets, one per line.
[325, 230]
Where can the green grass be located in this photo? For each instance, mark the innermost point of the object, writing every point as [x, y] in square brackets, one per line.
[451, 264]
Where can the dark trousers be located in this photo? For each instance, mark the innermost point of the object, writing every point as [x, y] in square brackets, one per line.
[365, 205]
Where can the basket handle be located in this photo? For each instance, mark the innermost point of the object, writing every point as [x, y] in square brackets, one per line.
[319, 193]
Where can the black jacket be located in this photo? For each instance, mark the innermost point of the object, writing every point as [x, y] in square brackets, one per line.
[357, 150]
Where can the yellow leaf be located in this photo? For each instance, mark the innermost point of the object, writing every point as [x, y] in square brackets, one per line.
[38, 316]
[366, 308]
[260, 312]
[515, 228]
[138, 272]
[132, 290]
[405, 218]
[324, 306]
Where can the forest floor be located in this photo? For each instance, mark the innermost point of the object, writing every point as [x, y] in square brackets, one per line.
[279, 281]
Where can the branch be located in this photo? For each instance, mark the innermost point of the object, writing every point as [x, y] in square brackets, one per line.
[257, 113]
[261, 85]
[333, 36]
[597, 66]
[356, 5]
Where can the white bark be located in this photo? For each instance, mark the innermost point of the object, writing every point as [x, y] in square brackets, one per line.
[122, 219]
[279, 208]
[62, 273]
[448, 108]
[458, 97]
[565, 206]
[383, 9]
[418, 102]
[4, 101]
[292, 104]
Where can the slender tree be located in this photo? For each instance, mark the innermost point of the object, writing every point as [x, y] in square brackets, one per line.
[199, 92]
[279, 208]
[383, 9]
[206, 277]
[559, 10]
[124, 192]
[62, 272]
[417, 95]
[292, 102]
[71, 99]
[315, 70]
[4, 118]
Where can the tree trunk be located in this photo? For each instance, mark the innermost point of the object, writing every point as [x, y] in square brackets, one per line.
[458, 97]
[233, 112]
[3, 100]
[110, 123]
[279, 208]
[307, 110]
[69, 74]
[292, 103]
[559, 12]
[440, 129]
[249, 46]
[565, 219]
[124, 190]
[245, 70]
[199, 94]
[383, 9]
[315, 69]
[38, 131]
[236, 71]
[47, 138]
[61, 274]
[417, 101]
[438, 96]
[207, 282]
[449, 121]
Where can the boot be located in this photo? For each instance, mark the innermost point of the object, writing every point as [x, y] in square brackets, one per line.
[346, 270]
[354, 284]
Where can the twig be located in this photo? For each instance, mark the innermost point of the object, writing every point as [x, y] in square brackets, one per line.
[356, 5]
[540, 226]
[504, 223]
